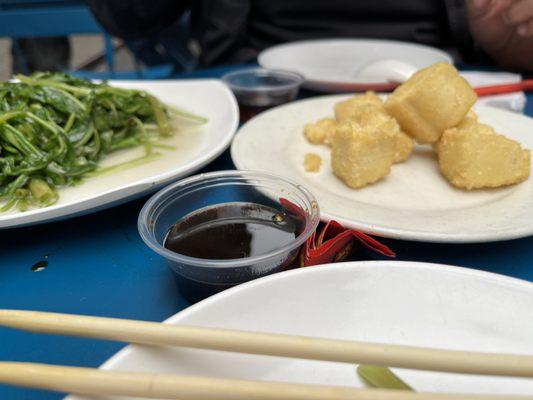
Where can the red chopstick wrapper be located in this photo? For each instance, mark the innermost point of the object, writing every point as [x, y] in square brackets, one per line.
[333, 242]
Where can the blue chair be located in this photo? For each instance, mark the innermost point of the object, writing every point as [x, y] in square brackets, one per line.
[39, 18]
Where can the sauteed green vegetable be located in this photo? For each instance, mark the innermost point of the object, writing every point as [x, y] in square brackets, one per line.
[55, 128]
[381, 377]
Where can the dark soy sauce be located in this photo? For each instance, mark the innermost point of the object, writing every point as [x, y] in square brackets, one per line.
[232, 231]
[251, 104]
[247, 112]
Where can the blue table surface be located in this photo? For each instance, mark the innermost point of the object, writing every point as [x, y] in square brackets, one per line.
[98, 265]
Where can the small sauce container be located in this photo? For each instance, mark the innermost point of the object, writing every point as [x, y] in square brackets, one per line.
[258, 89]
[197, 196]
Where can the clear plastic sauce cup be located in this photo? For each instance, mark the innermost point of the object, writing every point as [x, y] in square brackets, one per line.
[198, 278]
[258, 89]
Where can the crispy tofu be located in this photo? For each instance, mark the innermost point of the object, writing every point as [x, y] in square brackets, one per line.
[321, 131]
[312, 162]
[371, 115]
[469, 120]
[345, 109]
[361, 155]
[403, 146]
[477, 157]
[432, 100]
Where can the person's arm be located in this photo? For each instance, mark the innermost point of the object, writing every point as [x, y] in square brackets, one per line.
[504, 30]
[132, 19]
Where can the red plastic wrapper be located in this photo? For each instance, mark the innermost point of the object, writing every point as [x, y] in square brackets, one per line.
[333, 242]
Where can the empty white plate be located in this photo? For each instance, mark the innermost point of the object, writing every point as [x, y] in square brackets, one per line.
[334, 65]
[387, 302]
[194, 148]
[413, 202]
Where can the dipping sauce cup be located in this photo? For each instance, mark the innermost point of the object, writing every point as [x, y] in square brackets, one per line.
[198, 278]
[258, 89]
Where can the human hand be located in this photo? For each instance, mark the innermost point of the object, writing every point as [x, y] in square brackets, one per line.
[504, 29]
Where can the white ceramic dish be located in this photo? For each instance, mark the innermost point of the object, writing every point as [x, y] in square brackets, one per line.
[380, 301]
[194, 148]
[333, 65]
[414, 202]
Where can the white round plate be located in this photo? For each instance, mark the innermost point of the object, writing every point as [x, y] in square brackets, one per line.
[194, 148]
[332, 65]
[414, 202]
[377, 301]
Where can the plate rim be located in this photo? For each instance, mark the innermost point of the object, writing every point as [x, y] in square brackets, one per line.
[338, 85]
[385, 231]
[523, 284]
[139, 187]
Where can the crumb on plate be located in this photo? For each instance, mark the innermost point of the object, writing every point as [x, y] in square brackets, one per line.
[312, 162]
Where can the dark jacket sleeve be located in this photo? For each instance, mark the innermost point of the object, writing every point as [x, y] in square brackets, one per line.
[133, 19]
[221, 27]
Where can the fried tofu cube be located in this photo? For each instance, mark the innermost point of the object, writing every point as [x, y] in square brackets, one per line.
[345, 109]
[432, 100]
[468, 121]
[321, 131]
[312, 162]
[361, 154]
[371, 115]
[477, 157]
[403, 146]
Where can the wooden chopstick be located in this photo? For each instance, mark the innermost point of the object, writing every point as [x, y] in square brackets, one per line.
[344, 351]
[159, 386]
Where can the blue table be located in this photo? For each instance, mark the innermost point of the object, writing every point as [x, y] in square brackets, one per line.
[98, 265]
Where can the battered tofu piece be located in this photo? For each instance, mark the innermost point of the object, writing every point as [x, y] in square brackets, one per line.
[362, 154]
[469, 121]
[403, 146]
[432, 100]
[345, 109]
[370, 115]
[477, 157]
[321, 131]
[312, 162]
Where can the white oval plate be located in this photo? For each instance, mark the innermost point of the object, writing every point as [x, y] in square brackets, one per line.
[194, 148]
[332, 65]
[414, 202]
[379, 301]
